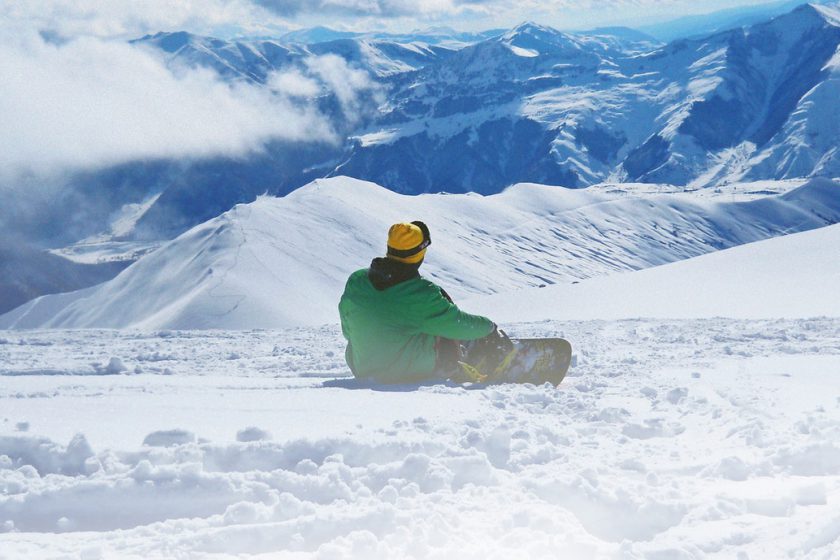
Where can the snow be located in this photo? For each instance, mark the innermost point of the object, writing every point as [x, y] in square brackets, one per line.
[831, 13]
[670, 439]
[700, 418]
[102, 250]
[282, 262]
[793, 276]
[526, 53]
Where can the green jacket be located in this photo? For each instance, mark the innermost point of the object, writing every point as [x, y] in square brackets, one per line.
[391, 327]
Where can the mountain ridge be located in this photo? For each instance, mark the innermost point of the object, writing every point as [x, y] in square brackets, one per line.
[266, 264]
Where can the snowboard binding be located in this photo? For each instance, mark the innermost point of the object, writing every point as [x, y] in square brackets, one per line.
[486, 354]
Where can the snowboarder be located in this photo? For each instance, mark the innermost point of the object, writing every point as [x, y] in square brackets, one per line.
[399, 326]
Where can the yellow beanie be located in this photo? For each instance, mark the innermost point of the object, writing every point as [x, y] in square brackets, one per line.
[407, 242]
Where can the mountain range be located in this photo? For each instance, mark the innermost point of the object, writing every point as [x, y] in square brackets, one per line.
[539, 105]
[535, 105]
[458, 113]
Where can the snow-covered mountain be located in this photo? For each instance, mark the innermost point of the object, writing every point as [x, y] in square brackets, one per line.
[764, 106]
[441, 36]
[539, 105]
[317, 34]
[282, 262]
[254, 60]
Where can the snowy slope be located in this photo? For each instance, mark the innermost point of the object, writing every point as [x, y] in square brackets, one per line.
[709, 439]
[791, 276]
[810, 139]
[283, 262]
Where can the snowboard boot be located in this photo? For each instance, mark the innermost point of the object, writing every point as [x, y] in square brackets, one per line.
[487, 354]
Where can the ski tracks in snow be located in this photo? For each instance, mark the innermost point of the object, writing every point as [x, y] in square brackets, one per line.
[709, 438]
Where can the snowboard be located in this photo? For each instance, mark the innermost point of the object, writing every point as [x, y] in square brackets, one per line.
[530, 360]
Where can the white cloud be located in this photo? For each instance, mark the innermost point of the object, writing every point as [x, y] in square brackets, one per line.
[131, 18]
[347, 83]
[293, 83]
[92, 102]
[516, 9]
[383, 8]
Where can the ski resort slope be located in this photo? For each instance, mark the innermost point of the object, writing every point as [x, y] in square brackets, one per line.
[792, 276]
[282, 262]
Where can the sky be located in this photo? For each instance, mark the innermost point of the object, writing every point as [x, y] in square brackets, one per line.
[225, 18]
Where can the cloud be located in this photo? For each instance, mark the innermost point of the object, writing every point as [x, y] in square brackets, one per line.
[130, 18]
[70, 108]
[516, 10]
[91, 102]
[293, 83]
[228, 18]
[422, 10]
[381, 8]
[355, 91]
[351, 86]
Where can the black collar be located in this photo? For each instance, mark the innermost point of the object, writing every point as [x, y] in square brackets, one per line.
[385, 273]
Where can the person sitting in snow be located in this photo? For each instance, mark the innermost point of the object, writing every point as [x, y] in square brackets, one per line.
[401, 327]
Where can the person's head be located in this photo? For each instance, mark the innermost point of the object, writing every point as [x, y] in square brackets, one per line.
[407, 242]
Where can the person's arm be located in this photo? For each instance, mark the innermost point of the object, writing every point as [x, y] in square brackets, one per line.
[440, 317]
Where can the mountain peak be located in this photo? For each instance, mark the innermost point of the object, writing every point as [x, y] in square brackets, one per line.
[169, 41]
[803, 21]
[532, 28]
[535, 39]
[620, 32]
[813, 13]
[830, 13]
